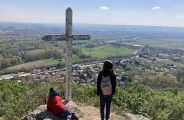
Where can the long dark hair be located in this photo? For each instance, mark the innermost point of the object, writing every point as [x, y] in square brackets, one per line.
[108, 65]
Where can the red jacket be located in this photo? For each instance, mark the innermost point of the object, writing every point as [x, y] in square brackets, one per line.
[55, 104]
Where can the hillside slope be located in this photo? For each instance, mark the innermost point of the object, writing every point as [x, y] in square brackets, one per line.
[84, 112]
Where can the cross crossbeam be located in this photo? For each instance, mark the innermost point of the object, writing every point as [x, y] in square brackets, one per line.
[63, 37]
[68, 58]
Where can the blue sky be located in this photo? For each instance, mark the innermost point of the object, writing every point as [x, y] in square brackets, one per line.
[120, 12]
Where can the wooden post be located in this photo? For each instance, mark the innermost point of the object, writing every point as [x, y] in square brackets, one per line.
[68, 59]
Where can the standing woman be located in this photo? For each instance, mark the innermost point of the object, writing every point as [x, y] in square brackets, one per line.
[106, 85]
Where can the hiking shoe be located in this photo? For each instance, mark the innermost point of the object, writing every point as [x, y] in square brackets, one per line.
[74, 117]
[69, 117]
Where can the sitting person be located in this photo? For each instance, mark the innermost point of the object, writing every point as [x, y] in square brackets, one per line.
[55, 105]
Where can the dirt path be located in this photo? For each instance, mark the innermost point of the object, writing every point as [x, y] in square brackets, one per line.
[92, 113]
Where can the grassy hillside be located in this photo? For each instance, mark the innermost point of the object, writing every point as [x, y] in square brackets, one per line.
[17, 99]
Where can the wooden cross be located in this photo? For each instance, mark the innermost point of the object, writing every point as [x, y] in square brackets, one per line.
[68, 58]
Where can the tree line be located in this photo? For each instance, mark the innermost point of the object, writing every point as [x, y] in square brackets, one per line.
[29, 56]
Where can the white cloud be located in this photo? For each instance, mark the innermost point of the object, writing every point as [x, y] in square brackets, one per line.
[104, 8]
[156, 8]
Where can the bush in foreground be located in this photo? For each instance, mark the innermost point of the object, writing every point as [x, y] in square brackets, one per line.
[17, 99]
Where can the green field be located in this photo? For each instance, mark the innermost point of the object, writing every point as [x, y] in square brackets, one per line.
[52, 61]
[75, 58]
[107, 51]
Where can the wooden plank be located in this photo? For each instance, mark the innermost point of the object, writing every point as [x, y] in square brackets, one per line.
[54, 37]
[63, 37]
[81, 37]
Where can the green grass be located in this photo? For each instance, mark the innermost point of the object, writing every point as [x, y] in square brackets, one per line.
[107, 51]
[75, 58]
[52, 61]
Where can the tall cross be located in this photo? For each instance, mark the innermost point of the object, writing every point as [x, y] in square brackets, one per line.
[68, 58]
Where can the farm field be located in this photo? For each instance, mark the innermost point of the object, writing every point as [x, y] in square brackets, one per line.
[34, 64]
[166, 43]
[52, 61]
[75, 58]
[107, 51]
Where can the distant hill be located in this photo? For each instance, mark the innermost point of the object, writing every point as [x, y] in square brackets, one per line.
[115, 30]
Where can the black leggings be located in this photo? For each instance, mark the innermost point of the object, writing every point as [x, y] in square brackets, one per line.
[66, 114]
[105, 100]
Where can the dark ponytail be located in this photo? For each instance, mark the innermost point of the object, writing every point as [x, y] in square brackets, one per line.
[108, 65]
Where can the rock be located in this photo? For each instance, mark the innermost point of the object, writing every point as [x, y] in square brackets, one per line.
[41, 112]
[129, 116]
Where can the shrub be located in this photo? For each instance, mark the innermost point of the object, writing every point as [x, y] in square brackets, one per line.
[17, 99]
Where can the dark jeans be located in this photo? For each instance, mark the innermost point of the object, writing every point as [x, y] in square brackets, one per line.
[105, 100]
[66, 114]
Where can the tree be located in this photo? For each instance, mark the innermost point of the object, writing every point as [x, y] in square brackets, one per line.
[180, 76]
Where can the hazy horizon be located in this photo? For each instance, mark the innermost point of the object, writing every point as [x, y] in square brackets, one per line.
[18, 22]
